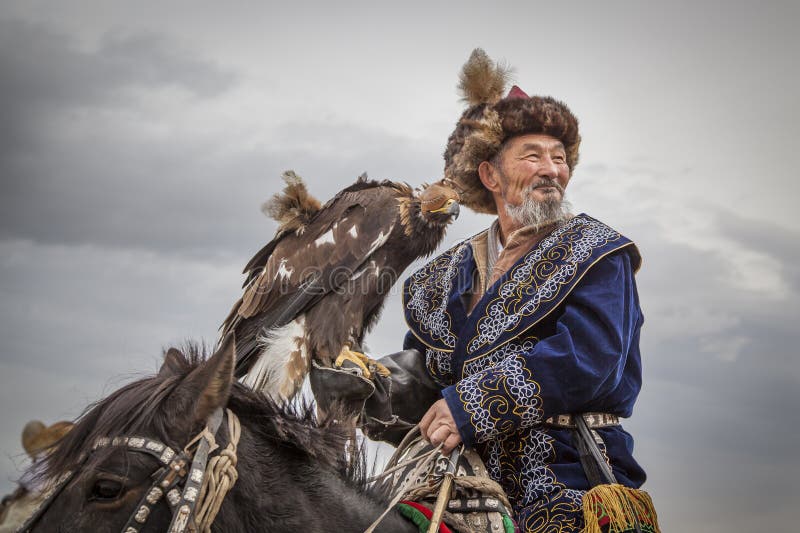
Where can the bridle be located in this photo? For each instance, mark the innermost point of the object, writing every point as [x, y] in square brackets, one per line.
[181, 477]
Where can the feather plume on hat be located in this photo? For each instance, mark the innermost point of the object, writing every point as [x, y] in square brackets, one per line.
[481, 80]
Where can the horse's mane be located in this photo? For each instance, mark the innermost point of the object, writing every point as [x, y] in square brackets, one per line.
[141, 404]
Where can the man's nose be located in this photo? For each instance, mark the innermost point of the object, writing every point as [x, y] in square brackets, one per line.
[548, 168]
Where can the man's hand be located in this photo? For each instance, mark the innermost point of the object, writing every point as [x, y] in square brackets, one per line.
[438, 426]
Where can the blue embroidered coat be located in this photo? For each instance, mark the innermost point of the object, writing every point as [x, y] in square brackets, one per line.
[558, 333]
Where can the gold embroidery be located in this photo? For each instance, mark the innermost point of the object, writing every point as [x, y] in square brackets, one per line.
[541, 502]
[498, 396]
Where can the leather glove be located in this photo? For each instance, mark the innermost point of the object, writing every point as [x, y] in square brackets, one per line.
[400, 400]
[341, 389]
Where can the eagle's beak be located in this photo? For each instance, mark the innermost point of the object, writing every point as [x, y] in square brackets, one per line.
[454, 209]
[450, 207]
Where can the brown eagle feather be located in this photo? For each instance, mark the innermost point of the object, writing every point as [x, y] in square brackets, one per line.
[321, 282]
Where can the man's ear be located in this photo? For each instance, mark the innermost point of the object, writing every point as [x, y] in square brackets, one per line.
[488, 176]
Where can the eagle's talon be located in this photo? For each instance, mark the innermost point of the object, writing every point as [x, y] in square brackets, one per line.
[365, 363]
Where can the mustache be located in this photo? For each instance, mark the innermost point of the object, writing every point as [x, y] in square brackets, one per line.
[545, 183]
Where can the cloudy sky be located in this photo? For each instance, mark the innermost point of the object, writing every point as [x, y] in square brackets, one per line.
[139, 140]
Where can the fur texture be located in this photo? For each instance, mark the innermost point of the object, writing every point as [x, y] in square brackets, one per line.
[481, 80]
[488, 122]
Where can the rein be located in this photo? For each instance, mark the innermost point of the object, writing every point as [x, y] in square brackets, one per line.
[203, 485]
[441, 491]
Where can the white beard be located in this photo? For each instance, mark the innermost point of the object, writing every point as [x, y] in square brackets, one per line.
[539, 214]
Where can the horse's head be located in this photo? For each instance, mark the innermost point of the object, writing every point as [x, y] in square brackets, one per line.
[293, 471]
[110, 482]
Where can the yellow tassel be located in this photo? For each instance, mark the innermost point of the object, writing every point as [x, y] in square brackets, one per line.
[622, 505]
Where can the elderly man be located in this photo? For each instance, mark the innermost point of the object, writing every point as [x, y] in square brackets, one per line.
[529, 323]
[523, 340]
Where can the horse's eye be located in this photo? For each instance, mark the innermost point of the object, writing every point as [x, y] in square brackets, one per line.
[105, 490]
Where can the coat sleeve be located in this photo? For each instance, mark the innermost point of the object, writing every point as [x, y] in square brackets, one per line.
[410, 342]
[592, 353]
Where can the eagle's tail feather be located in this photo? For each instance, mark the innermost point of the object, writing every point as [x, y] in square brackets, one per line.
[280, 368]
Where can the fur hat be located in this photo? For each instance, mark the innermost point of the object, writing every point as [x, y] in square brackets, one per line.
[491, 119]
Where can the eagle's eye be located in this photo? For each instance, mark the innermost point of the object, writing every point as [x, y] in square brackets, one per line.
[450, 208]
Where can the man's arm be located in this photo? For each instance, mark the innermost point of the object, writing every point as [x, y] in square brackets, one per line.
[569, 372]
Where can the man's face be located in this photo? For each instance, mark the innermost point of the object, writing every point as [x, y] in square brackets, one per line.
[532, 168]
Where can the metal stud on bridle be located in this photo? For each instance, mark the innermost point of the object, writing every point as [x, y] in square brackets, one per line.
[180, 477]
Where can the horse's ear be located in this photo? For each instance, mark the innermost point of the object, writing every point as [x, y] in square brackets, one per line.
[174, 362]
[209, 385]
[31, 434]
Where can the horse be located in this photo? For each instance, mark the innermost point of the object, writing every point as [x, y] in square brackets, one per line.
[293, 470]
[16, 507]
[36, 440]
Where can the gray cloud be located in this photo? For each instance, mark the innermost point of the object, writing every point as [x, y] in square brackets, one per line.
[45, 70]
[121, 190]
[769, 238]
[105, 179]
[94, 169]
[71, 170]
[133, 167]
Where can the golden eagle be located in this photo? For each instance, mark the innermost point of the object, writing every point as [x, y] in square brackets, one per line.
[314, 290]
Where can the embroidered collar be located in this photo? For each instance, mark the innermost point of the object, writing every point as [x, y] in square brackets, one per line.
[532, 288]
[540, 280]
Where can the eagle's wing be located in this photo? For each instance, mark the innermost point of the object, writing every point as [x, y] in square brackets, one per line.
[297, 269]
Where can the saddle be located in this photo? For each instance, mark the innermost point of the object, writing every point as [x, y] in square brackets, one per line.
[427, 486]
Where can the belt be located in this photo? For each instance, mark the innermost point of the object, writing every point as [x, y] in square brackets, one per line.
[593, 420]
